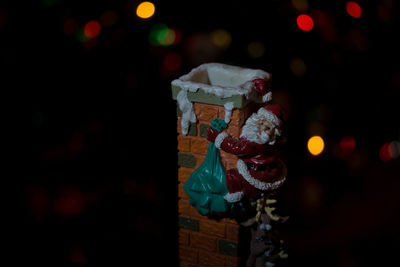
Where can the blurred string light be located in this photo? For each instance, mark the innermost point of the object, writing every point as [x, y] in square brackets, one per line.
[298, 67]
[172, 62]
[162, 35]
[305, 22]
[389, 150]
[145, 10]
[347, 144]
[256, 49]
[70, 26]
[92, 29]
[353, 9]
[300, 5]
[325, 25]
[315, 145]
[221, 38]
[108, 18]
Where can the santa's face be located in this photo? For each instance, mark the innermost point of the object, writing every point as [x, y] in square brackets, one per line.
[266, 126]
[259, 129]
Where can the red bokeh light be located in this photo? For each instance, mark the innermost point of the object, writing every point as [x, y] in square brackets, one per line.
[92, 29]
[70, 26]
[305, 22]
[172, 62]
[353, 9]
[385, 152]
[70, 202]
[347, 144]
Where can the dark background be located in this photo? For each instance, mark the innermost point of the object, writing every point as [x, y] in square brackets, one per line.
[93, 177]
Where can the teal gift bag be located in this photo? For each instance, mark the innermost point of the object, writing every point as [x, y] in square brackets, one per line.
[206, 186]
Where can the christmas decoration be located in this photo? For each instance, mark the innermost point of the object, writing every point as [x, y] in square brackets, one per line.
[242, 192]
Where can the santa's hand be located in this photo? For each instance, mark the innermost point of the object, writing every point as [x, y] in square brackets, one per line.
[259, 85]
[212, 134]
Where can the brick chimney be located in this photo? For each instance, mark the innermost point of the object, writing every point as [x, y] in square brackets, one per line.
[210, 91]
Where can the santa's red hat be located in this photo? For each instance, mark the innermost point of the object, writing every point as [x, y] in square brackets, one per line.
[261, 87]
[273, 113]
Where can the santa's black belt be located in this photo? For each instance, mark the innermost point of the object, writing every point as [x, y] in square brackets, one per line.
[253, 167]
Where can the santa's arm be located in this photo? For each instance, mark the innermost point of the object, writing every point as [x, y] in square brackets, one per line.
[232, 145]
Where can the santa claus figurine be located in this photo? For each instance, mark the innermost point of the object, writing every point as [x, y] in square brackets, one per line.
[258, 167]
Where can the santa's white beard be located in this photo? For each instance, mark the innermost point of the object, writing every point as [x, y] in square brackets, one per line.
[251, 132]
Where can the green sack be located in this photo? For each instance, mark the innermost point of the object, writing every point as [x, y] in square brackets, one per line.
[206, 186]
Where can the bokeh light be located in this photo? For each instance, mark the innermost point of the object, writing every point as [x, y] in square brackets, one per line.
[389, 150]
[347, 144]
[300, 5]
[70, 26]
[69, 202]
[353, 9]
[394, 149]
[385, 153]
[145, 10]
[298, 67]
[108, 18]
[161, 34]
[305, 22]
[92, 29]
[172, 62]
[256, 49]
[221, 38]
[315, 145]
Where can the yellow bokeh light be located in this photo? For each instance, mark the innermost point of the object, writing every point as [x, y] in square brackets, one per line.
[145, 10]
[221, 38]
[256, 49]
[300, 5]
[315, 145]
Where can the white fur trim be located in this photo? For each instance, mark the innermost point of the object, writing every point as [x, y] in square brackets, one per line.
[242, 168]
[234, 197]
[187, 111]
[267, 97]
[228, 111]
[220, 138]
[269, 116]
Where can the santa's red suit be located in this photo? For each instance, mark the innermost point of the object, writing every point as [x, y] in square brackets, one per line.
[258, 168]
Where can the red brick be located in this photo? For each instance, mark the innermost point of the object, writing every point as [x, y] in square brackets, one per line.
[234, 131]
[232, 232]
[183, 143]
[199, 145]
[181, 192]
[235, 116]
[184, 173]
[189, 255]
[205, 112]
[183, 237]
[231, 261]
[199, 159]
[185, 209]
[212, 228]
[211, 259]
[203, 241]
[229, 163]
